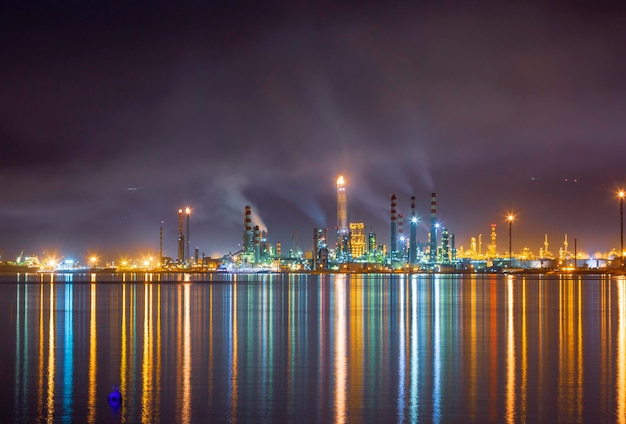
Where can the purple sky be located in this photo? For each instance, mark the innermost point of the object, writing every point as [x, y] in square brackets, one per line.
[496, 106]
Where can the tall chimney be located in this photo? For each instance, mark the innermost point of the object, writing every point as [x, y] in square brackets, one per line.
[247, 234]
[433, 228]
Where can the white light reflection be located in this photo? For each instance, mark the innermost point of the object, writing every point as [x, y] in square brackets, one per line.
[414, 399]
[68, 353]
[401, 350]
[341, 371]
[18, 353]
[436, 352]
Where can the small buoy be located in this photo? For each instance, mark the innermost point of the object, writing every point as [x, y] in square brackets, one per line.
[115, 398]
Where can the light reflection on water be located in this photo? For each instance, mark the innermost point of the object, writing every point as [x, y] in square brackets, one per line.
[329, 348]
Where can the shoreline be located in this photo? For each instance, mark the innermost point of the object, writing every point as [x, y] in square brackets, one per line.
[616, 272]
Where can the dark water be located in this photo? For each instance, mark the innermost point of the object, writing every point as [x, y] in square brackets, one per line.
[301, 348]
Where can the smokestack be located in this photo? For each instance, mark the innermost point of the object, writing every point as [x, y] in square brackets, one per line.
[393, 248]
[413, 234]
[433, 228]
[492, 248]
[247, 224]
[401, 240]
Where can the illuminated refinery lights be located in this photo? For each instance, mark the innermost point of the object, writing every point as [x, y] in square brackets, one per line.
[357, 239]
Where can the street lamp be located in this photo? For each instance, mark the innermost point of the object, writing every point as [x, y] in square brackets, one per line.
[510, 218]
[621, 226]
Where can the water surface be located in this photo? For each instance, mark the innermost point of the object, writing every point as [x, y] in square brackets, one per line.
[308, 348]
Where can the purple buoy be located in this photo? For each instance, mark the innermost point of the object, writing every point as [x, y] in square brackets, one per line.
[115, 398]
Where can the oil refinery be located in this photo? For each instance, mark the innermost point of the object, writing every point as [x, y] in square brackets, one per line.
[352, 248]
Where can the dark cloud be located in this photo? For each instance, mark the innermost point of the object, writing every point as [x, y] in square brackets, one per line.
[492, 105]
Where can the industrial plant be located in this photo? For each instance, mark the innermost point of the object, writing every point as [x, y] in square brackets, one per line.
[350, 247]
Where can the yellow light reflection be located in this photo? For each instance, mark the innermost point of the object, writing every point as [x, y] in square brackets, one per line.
[341, 371]
[473, 350]
[210, 394]
[510, 353]
[157, 393]
[123, 362]
[540, 341]
[147, 362]
[356, 334]
[41, 357]
[621, 351]
[493, 350]
[234, 395]
[186, 413]
[93, 364]
[579, 352]
[606, 369]
[524, 383]
[570, 350]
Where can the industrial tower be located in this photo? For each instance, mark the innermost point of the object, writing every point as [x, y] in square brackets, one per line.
[432, 255]
[181, 237]
[342, 219]
[247, 248]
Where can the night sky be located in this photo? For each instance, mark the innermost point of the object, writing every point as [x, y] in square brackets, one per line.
[112, 117]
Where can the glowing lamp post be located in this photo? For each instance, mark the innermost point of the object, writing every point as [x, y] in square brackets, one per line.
[510, 219]
[621, 226]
